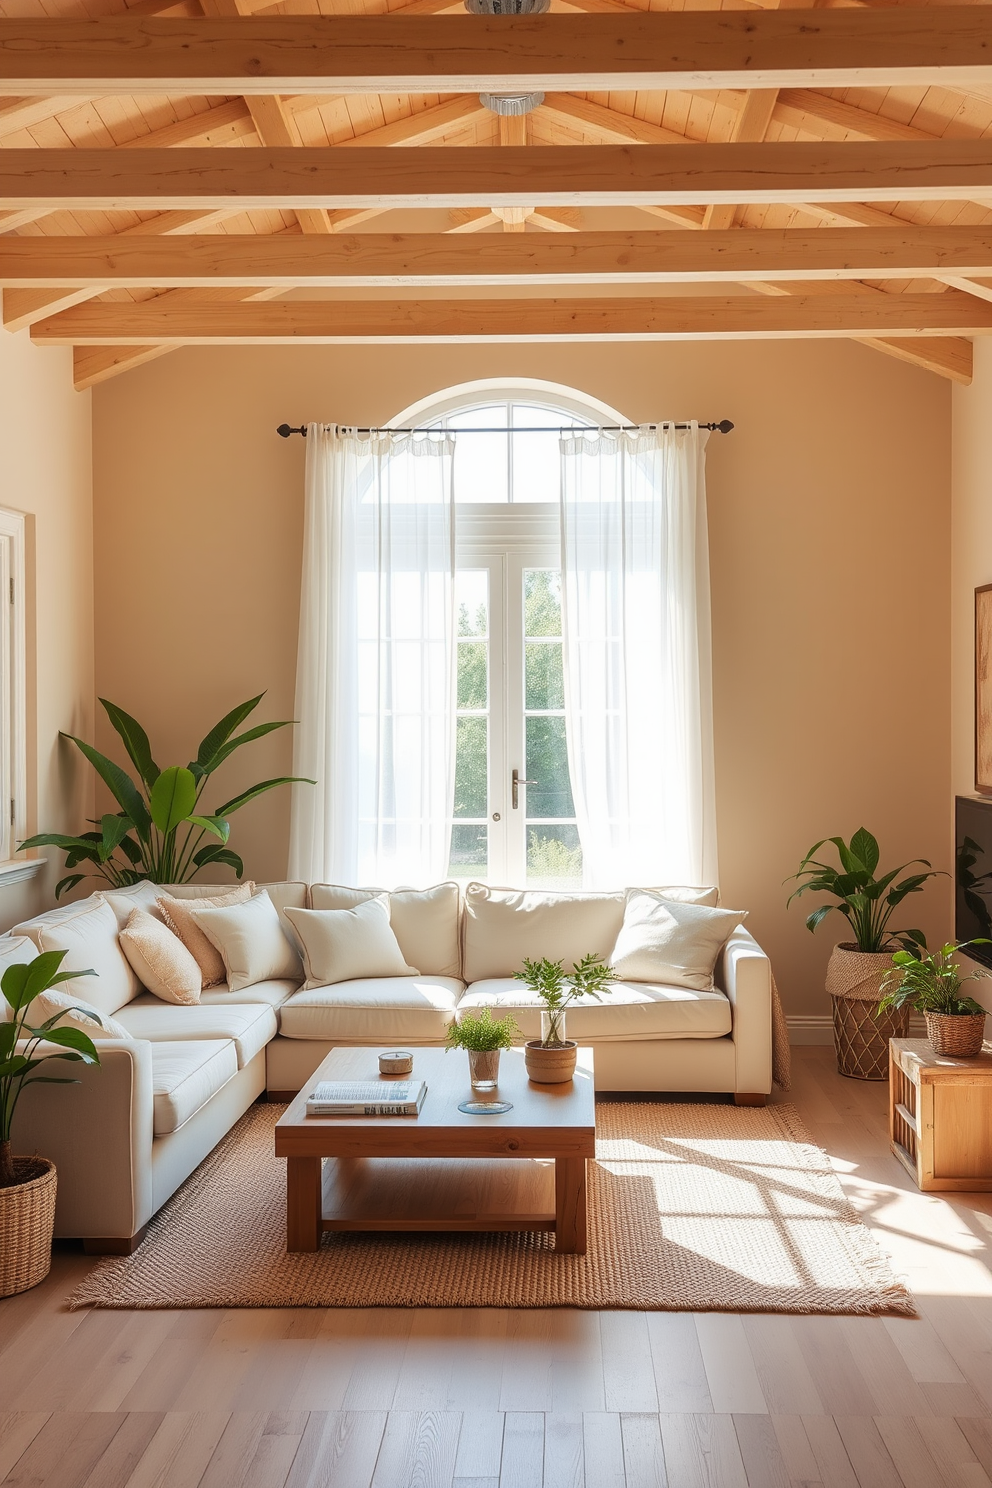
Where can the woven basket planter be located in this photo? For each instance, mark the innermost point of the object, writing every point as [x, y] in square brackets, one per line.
[550, 1065]
[27, 1219]
[854, 981]
[956, 1035]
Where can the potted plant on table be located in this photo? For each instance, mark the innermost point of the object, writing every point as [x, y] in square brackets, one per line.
[551, 1059]
[27, 1184]
[930, 983]
[858, 966]
[483, 1037]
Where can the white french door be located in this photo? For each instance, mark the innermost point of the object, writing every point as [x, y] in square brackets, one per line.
[514, 820]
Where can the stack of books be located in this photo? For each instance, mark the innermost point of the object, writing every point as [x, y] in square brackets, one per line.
[366, 1098]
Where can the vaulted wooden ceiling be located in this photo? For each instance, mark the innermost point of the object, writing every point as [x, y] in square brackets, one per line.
[704, 174]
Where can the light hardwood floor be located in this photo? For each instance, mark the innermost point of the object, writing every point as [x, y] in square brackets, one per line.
[550, 1399]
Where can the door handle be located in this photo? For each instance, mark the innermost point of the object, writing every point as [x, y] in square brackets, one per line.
[517, 781]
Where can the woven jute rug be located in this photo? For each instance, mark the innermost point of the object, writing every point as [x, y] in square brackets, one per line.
[691, 1208]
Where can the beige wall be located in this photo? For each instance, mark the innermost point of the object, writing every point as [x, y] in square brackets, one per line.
[45, 471]
[829, 530]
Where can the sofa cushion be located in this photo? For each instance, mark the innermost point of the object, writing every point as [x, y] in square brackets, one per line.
[89, 939]
[248, 1025]
[159, 959]
[272, 993]
[424, 921]
[340, 945]
[251, 940]
[375, 1010]
[185, 1076]
[684, 894]
[632, 1010]
[662, 940]
[74, 1012]
[504, 926]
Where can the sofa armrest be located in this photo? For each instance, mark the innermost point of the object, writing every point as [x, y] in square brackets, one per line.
[744, 974]
[99, 1135]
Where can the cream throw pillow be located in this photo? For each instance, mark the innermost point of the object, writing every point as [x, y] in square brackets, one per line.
[84, 1015]
[178, 915]
[342, 944]
[426, 922]
[251, 941]
[676, 944]
[162, 962]
[90, 942]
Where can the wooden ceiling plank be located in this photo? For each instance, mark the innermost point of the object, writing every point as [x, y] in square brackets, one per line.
[198, 320]
[750, 127]
[568, 53]
[569, 175]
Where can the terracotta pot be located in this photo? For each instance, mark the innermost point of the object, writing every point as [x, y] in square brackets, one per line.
[861, 1040]
[551, 1065]
[956, 1035]
[27, 1219]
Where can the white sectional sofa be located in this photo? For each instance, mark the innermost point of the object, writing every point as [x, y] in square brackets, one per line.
[135, 1127]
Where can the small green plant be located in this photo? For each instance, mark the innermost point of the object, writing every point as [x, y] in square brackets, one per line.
[482, 1033]
[930, 981]
[866, 902]
[557, 988]
[157, 833]
[21, 984]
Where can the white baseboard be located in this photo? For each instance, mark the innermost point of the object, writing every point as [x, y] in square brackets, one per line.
[819, 1029]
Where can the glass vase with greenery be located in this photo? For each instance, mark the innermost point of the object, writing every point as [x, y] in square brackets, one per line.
[557, 989]
[866, 902]
[158, 831]
[483, 1037]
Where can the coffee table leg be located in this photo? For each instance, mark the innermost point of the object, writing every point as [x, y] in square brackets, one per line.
[303, 1203]
[570, 1205]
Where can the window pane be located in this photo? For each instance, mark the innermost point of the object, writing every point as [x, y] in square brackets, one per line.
[547, 766]
[545, 683]
[554, 861]
[471, 792]
[481, 469]
[469, 851]
[472, 598]
[472, 681]
[542, 602]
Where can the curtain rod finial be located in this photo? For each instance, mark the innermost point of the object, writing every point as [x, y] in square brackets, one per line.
[724, 426]
[286, 429]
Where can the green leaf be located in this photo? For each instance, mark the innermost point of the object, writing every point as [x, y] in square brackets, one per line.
[22, 982]
[123, 788]
[115, 829]
[218, 825]
[214, 853]
[59, 839]
[865, 847]
[259, 790]
[75, 1039]
[173, 797]
[222, 731]
[228, 749]
[818, 915]
[135, 742]
[67, 883]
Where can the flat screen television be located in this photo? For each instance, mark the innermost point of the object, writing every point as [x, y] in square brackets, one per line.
[973, 874]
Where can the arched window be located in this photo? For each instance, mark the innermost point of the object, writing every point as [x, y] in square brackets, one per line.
[514, 817]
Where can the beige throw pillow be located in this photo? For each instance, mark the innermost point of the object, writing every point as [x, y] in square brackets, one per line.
[340, 945]
[251, 942]
[83, 1015]
[179, 915]
[676, 944]
[163, 964]
[426, 922]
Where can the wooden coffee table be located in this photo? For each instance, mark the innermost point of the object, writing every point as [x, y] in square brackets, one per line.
[442, 1170]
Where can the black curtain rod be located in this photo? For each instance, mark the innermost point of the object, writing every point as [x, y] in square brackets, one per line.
[723, 427]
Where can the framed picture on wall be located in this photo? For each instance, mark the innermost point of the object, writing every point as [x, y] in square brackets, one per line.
[983, 690]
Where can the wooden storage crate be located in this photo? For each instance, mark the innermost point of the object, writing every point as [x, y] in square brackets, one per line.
[940, 1116]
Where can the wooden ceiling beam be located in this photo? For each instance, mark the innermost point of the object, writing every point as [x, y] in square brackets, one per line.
[200, 321]
[901, 46]
[287, 261]
[566, 175]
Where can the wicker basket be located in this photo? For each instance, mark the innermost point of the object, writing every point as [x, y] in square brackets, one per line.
[854, 981]
[956, 1035]
[27, 1219]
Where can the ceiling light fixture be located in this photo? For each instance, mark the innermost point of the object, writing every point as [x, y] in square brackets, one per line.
[507, 7]
[510, 105]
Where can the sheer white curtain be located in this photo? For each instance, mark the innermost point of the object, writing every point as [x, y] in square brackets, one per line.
[375, 685]
[638, 697]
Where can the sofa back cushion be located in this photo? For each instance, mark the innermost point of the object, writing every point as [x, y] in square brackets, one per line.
[502, 927]
[89, 939]
[684, 894]
[424, 921]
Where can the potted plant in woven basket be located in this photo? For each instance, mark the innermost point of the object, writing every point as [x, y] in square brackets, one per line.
[27, 1184]
[930, 983]
[858, 967]
[550, 1060]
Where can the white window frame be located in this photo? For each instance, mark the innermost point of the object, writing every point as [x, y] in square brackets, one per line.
[13, 697]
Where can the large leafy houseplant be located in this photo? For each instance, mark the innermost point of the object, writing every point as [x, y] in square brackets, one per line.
[866, 902]
[23, 1045]
[158, 831]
